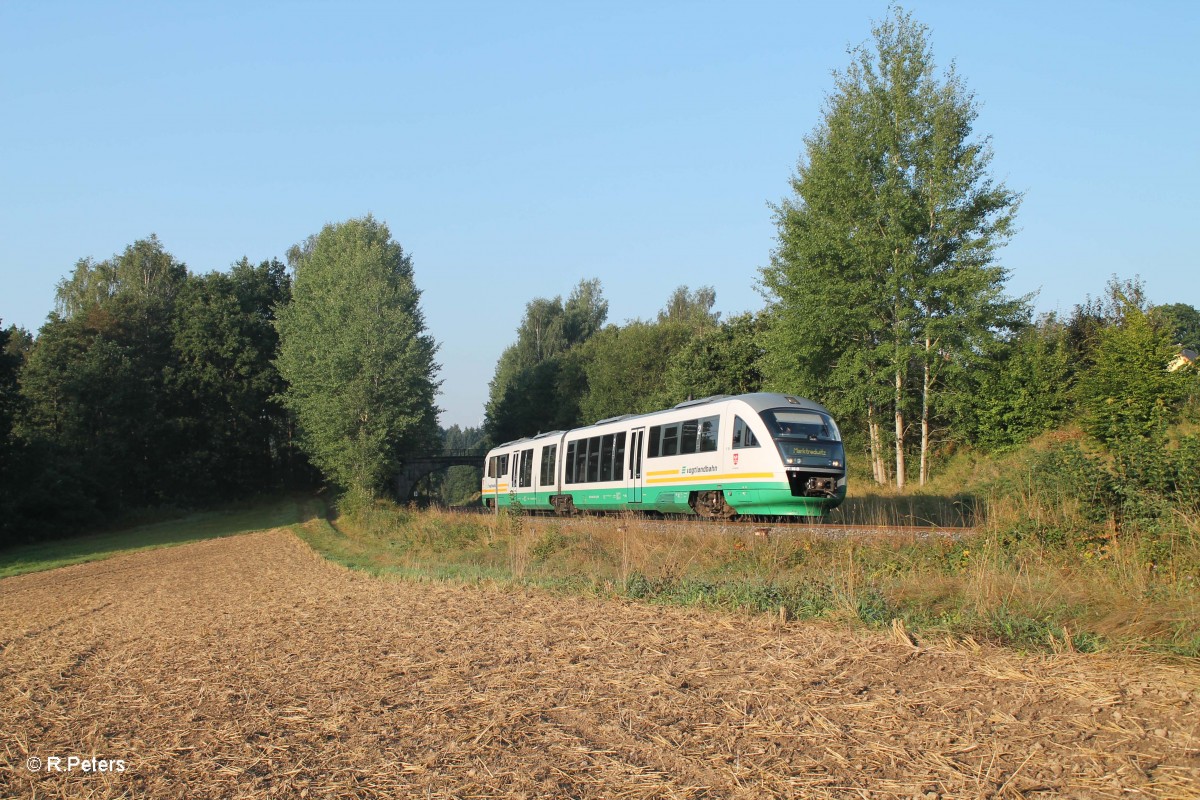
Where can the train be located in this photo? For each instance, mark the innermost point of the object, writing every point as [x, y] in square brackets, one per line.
[720, 457]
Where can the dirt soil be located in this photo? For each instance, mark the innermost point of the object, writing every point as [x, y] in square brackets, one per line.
[251, 667]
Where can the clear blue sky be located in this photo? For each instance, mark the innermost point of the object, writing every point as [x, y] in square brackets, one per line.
[515, 148]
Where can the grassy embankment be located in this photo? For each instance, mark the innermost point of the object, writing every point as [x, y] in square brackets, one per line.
[1044, 568]
[237, 519]
[1038, 572]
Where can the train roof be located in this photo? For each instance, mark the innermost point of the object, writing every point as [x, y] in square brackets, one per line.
[764, 401]
[529, 438]
[758, 402]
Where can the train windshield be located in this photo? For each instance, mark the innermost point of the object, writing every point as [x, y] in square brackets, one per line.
[801, 425]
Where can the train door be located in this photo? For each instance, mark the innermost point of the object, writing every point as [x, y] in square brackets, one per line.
[514, 483]
[525, 475]
[635, 477]
[514, 462]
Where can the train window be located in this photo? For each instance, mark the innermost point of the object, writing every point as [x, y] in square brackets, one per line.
[708, 434]
[527, 468]
[687, 441]
[546, 477]
[593, 459]
[502, 465]
[580, 461]
[742, 435]
[606, 458]
[569, 464]
[619, 456]
[655, 433]
[795, 424]
[491, 467]
[670, 440]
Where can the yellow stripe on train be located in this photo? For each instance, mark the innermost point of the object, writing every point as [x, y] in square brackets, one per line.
[707, 478]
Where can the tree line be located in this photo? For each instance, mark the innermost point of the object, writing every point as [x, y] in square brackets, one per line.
[1104, 366]
[885, 300]
[149, 387]
[146, 386]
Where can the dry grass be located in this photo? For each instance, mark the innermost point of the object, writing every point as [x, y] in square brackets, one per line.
[1027, 595]
[251, 667]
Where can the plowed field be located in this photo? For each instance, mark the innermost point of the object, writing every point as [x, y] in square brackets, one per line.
[250, 667]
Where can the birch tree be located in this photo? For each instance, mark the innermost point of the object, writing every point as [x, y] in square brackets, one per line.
[884, 270]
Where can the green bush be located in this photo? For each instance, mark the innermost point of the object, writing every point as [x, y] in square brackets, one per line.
[1065, 473]
[550, 543]
[1023, 628]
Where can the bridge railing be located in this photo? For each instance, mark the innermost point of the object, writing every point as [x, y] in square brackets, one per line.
[464, 452]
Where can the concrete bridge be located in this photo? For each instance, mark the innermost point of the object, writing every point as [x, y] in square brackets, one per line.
[414, 469]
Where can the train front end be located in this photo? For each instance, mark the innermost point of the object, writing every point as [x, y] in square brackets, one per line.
[806, 446]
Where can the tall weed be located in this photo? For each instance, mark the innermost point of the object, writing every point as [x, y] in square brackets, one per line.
[1041, 572]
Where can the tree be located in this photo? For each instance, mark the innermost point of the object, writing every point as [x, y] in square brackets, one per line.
[93, 403]
[1091, 318]
[10, 398]
[542, 334]
[1183, 323]
[1128, 394]
[92, 384]
[625, 368]
[224, 382]
[721, 360]
[584, 312]
[885, 257]
[353, 349]
[456, 438]
[526, 401]
[11, 359]
[537, 383]
[691, 308]
[18, 343]
[1028, 390]
[145, 271]
[151, 386]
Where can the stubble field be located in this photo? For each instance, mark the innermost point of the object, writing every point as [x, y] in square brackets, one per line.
[251, 667]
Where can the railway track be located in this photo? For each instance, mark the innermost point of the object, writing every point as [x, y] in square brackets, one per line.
[763, 526]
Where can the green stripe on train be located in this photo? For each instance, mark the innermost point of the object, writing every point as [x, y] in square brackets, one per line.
[748, 498]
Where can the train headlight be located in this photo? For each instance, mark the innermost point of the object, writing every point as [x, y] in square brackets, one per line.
[790, 460]
[836, 463]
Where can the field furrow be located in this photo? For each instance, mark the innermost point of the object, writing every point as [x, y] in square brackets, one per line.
[249, 666]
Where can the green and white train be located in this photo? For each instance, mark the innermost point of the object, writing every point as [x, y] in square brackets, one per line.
[719, 457]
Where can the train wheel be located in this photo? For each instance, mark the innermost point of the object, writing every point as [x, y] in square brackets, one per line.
[712, 505]
[564, 505]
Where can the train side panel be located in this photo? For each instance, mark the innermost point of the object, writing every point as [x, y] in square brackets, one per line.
[523, 473]
[761, 454]
[595, 468]
[685, 456]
